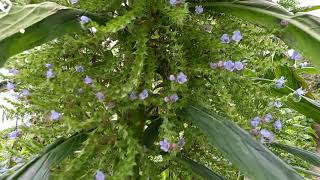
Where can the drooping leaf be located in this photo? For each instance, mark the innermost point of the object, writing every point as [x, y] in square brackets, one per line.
[239, 147]
[198, 169]
[309, 156]
[41, 23]
[302, 32]
[39, 167]
[308, 70]
[305, 171]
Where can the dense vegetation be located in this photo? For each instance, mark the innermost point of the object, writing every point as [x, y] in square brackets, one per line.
[158, 89]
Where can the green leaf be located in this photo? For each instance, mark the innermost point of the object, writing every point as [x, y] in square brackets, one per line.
[310, 8]
[251, 157]
[305, 171]
[197, 168]
[39, 167]
[308, 70]
[41, 22]
[302, 33]
[309, 156]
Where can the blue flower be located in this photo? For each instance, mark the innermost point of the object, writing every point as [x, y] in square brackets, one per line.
[199, 9]
[164, 145]
[100, 96]
[55, 115]
[236, 36]
[267, 118]
[277, 125]
[213, 65]
[4, 170]
[229, 65]
[133, 96]
[79, 69]
[300, 92]
[172, 77]
[144, 94]
[49, 66]
[13, 134]
[100, 175]
[84, 19]
[295, 56]
[280, 82]
[73, 1]
[181, 143]
[172, 98]
[225, 38]
[278, 104]
[14, 71]
[50, 74]
[87, 80]
[238, 65]
[181, 78]
[173, 2]
[255, 122]
[25, 92]
[266, 134]
[10, 86]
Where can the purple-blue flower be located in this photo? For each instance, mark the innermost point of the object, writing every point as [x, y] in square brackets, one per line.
[238, 65]
[49, 66]
[213, 65]
[172, 77]
[73, 1]
[164, 145]
[14, 71]
[225, 38]
[278, 104]
[173, 2]
[295, 56]
[229, 65]
[181, 143]
[236, 36]
[255, 122]
[267, 118]
[25, 92]
[79, 68]
[100, 175]
[199, 9]
[133, 96]
[55, 115]
[300, 92]
[280, 82]
[266, 134]
[277, 125]
[84, 19]
[10, 86]
[13, 134]
[100, 96]
[172, 98]
[87, 80]
[181, 78]
[144, 94]
[50, 74]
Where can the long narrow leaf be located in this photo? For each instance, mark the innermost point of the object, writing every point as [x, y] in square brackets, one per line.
[41, 23]
[198, 169]
[39, 167]
[309, 156]
[251, 157]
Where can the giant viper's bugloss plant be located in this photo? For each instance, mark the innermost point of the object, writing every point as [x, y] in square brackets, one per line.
[137, 72]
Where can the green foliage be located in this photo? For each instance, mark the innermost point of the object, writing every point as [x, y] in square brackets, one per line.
[137, 45]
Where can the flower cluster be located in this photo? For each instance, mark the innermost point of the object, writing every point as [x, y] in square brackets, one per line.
[171, 98]
[166, 146]
[228, 65]
[180, 79]
[236, 37]
[264, 133]
[142, 96]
